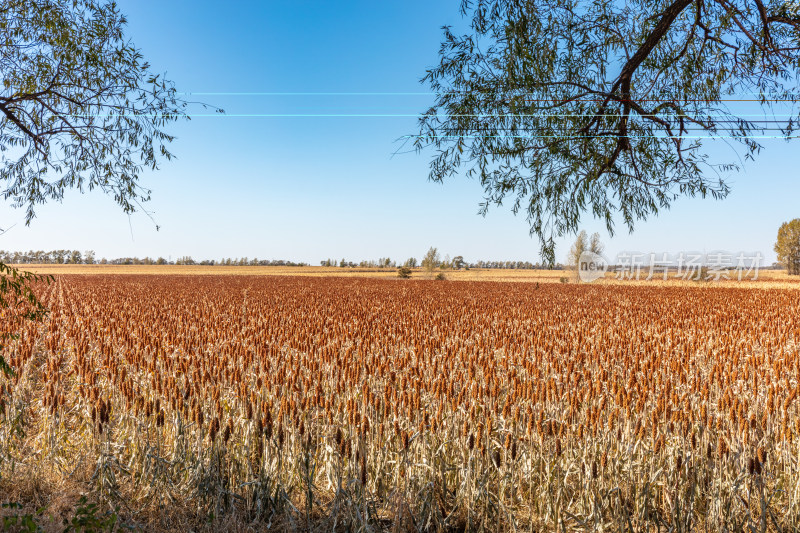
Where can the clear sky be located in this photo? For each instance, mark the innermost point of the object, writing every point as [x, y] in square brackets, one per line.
[308, 188]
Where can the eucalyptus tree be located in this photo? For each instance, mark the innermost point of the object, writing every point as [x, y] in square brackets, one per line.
[608, 107]
[80, 108]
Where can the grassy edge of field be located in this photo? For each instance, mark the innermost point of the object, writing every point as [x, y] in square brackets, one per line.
[772, 279]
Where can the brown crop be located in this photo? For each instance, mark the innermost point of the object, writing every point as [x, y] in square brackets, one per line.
[468, 404]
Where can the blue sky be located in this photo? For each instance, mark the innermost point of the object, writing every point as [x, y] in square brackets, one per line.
[307, 188]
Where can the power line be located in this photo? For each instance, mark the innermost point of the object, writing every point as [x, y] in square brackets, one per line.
[381, 93]
[610, 137]
[416, 115]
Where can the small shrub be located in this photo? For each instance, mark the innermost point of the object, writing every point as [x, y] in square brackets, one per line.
[404, 272]
[563, 279]
[88, 517]
[440, 276]
[18, 522]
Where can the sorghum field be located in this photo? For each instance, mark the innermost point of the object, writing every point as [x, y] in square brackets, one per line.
[244, 402]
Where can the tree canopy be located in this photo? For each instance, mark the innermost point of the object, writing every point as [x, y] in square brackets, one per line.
[431, 260]
[571, 106]
[788, 246]
[583, 244]
[80, 108]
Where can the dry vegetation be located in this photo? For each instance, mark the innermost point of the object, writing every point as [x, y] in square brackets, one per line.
[766, 278]
[240, 402]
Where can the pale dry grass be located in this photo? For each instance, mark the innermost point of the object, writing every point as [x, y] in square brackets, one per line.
[767, 279]
[201, 270]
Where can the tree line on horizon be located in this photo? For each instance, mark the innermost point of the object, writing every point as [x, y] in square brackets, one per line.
[435, 262]
[75, 257]
[89, 257]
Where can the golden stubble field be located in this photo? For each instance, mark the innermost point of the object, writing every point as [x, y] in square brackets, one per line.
[766, 278]
[244, 402]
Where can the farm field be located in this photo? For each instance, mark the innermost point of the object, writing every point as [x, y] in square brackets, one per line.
[198, 402]
[765, 279]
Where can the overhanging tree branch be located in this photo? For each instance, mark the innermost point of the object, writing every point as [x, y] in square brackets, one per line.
[585, 106]
[79, 108]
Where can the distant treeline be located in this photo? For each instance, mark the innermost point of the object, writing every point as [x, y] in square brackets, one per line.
[75, 257]
[456, 263]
